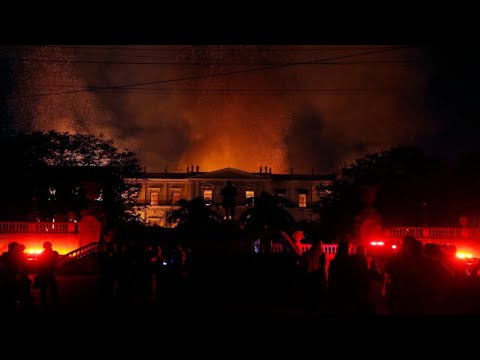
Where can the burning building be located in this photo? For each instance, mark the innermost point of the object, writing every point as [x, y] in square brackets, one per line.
[160, 192]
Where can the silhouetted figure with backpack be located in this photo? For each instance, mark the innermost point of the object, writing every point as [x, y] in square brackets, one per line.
[360, 283]
[24, 283]
[375, 288]
[229, 193]
[341, 279]
[417, 281]
[9, 272]
[47, 278]
[315, 261]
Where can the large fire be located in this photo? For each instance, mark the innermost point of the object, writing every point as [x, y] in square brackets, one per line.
[283, 118]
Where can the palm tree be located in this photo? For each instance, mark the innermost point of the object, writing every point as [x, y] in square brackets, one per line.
[194, 214]
[267, 219]
[201, 227]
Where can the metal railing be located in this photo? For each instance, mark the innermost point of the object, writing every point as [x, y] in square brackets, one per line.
[90, 249]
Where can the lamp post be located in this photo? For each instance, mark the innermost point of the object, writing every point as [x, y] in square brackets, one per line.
[145, 181]
[424, 213]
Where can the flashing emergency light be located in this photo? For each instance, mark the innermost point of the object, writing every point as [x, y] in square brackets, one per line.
[34, 251]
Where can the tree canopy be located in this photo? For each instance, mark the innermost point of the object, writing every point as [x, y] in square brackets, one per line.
[413, 189]
[194, 214]
[268, 212]
[25, 154]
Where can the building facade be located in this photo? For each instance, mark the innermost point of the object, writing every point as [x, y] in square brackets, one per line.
[160, 192]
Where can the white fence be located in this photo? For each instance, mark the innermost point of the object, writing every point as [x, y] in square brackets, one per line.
[37, 227]
[329, 249]
[433, 232]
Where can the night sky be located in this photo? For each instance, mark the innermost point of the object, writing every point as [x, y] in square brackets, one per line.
[302, 116]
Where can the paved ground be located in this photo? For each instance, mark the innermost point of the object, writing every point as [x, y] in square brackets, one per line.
[81, 296]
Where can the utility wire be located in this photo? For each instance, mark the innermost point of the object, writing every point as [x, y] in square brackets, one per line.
[272, 93]
[199, 63]
[228, 73]
[236, 90]
[259, 48]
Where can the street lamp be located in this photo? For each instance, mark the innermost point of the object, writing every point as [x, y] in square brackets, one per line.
[424, 211]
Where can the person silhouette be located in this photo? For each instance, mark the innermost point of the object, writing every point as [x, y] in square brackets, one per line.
[9, 271]
[229, 193]
[47, 277]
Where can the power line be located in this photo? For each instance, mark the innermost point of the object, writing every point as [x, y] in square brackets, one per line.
[199, 63]
[250, 92]
[265, 90]
[242, 90]
[229, 73]
[210, 48]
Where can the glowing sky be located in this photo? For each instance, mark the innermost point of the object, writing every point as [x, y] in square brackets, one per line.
[269, 117]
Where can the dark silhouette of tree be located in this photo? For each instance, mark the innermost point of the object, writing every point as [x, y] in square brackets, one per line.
[198, 225]
[27, 153]
[409, 183]
[267, 218]
[269, 211]
[194, 214]
[338, 206]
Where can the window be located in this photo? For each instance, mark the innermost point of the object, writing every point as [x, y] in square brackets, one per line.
[176, 196]
[208, 195]
[154, 198]
[250, 197]
[302, 200]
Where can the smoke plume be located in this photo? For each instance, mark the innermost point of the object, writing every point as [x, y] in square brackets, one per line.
[192, 122]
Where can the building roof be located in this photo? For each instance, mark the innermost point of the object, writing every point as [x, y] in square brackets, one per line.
[228, 173]
[236, 174]
[280, 177]
[164, 175]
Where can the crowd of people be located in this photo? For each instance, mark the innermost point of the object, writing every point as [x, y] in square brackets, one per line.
[419, 279]
[130, 274]
[133, 273]
[16, 285]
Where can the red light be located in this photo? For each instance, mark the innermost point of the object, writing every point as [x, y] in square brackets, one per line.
[374, 243]
[394, 247]
[380, 243]
[34, 251]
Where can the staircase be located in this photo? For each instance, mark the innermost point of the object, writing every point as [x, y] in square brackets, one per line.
[81, 260]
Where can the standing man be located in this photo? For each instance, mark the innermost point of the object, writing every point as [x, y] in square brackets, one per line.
[229, 193]
[47, 277]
